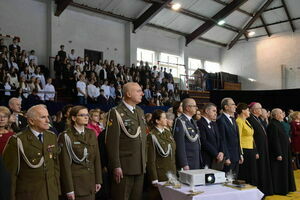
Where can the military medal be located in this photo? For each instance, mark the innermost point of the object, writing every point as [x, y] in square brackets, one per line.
[49, 149]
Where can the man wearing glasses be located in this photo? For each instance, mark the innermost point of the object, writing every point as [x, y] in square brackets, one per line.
[187, 137]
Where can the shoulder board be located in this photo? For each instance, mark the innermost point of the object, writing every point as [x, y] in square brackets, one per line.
[18, 134]
[51, 132]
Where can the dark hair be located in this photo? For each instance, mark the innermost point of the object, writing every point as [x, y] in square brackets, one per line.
[156, 115]
[176, 105]
[65, 110]
[240, 107]
[73, 112]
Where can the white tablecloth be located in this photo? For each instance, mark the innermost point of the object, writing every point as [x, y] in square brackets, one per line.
[211, 192]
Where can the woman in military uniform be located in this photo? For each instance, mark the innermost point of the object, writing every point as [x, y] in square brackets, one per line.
[161, 152]
[80, 159]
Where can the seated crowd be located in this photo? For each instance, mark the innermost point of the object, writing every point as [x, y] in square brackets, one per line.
[90, 82]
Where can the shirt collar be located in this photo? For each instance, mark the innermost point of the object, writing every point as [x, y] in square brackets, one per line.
[189, 118]
[130, 107]
[79, 131]
[208, 121]
[35, 133]
[159, 129]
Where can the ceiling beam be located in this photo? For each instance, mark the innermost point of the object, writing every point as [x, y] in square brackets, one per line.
[274, 23]
[198, 16]
[264, 24]
[184, 34]
[252, 20]
[274, 8]
[227, 10]
[288, 15]
[148, 14]
[239, 9]
[127, 19]
[61, 5]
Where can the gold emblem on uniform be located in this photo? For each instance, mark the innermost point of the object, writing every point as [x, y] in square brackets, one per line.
[39, 154]
[122, 114]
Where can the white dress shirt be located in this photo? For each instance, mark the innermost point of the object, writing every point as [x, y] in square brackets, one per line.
[49, 88]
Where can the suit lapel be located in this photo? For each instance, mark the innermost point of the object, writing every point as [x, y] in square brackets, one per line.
[229, 122]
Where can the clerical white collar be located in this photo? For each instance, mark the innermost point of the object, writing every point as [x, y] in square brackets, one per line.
[130, 107]
[189, 118]
[35, 133]
[208, 121]
[159, 129]
[79, 131]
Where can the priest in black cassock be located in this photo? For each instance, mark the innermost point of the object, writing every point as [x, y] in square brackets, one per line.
[261, 141]
[280, 155]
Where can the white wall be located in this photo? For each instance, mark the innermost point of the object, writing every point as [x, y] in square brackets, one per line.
[262, 60]
[28, 20]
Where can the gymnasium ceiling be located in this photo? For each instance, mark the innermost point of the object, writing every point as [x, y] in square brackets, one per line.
[198, 19]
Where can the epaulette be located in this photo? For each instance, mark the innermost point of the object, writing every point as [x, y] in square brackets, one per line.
[51, 132]
[18, 134]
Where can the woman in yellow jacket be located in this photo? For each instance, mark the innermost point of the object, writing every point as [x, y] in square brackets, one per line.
[248, 169]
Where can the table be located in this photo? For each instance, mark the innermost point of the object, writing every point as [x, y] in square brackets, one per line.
[211, 192]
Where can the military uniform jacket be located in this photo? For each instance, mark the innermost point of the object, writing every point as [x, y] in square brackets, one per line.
[80, 177]
[33, 183]
[157, 165]
[187, 151]
[123, 151]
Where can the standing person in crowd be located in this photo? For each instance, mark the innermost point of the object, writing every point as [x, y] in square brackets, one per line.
[212, 145]
[161, 153]
[197, 116]
[177, 109]
[187, 137]
[264, 118]
[15, 45]
[31, 156]
[80, 163]
[5, 131]
[33, 57]
[280, 155]
[49, 90]
[94, 121]
[21, 121]
[62, 125]
[170, 120]
[264, 183]
[58, 67]
[230, 134]
[81, 90]
[119, 94]
[126, 145]
[295, 126]
[248, 169]
[62, 54]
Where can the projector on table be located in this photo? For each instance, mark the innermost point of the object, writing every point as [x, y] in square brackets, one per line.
[201, 177]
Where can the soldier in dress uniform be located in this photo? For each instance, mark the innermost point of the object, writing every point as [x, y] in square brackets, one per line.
[187, 137]
[80, 163]
[31, 157]
[126, 145]
[161, 153]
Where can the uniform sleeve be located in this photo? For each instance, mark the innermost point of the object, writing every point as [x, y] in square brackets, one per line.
[65, 166]
[112, 140]
[10, 159]
[179, 137]
[97, 164]
[151, 165]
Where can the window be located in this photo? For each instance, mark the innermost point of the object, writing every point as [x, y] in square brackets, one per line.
[212, 67]
[145, 56]
[194, 64]
[170, 61]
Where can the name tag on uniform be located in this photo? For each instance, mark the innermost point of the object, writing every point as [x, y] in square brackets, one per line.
[77, 143]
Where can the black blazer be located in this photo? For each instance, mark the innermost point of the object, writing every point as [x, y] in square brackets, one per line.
[231, 138]
[210, 140]
[22, 124]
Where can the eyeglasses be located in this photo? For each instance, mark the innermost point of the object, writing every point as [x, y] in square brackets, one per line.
[83, 115]
[3, 116]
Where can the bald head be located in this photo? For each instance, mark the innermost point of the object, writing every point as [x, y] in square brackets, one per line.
[189, 107]
[133, 93]
[34, 110]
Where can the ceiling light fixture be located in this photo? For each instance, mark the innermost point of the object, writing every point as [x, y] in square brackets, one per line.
[251, 79]
[221, 22]
[251, 33]
[176, 6]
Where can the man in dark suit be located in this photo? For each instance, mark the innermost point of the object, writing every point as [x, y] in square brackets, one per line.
[103, 73]
[187, 138]
[21, 121]
[212, 145]
[261, 143]
[126, 145]
[230, 135]
[62, 54]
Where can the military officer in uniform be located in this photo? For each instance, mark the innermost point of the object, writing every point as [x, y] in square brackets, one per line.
[126, 145]
[161, 153]
[80, 163]
[187, 137]
[31, 157]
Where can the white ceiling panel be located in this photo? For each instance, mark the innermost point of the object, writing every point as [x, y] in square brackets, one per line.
[237, 19]
[278, 28]
[186, 25]
[165, 17]
[293, 7]
[218, 34]
[206, 7]
[252, 5]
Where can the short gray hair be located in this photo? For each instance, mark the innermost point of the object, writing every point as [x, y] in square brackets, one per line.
[32, 112]
[225, 101]
[274, 112]
[208, 106]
